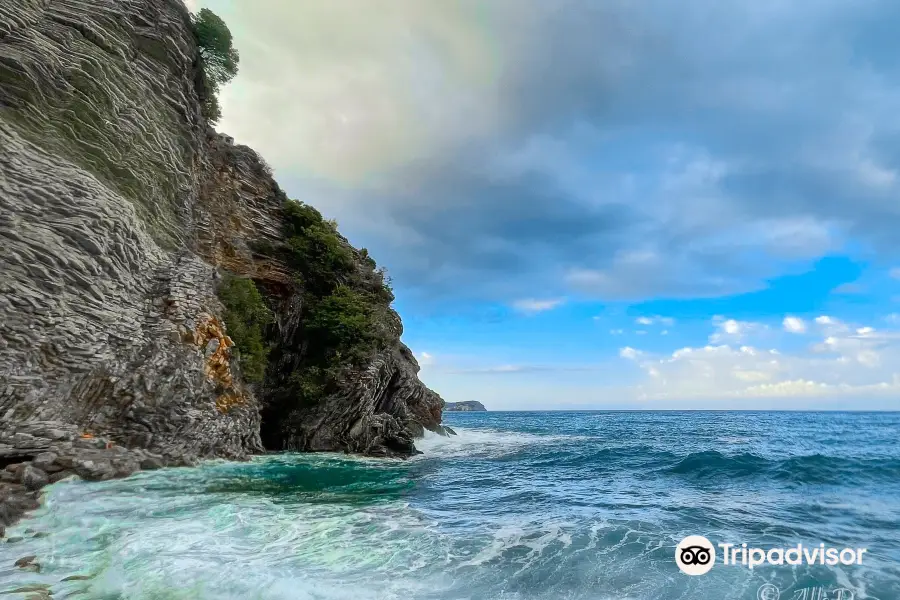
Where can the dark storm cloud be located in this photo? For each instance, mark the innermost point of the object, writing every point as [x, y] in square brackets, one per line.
[647, 149]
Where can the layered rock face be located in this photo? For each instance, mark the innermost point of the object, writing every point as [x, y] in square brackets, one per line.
[379, 409]
[119, 210]
[105, 309]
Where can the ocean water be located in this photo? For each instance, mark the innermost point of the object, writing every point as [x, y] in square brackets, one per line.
[518, 506]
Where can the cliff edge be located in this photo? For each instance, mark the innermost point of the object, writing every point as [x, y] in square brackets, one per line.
[122, 215]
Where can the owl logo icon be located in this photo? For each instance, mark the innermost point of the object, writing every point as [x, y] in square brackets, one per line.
[695, 555]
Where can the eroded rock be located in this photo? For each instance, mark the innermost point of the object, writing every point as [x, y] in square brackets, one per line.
[120, 209]
[33, 478]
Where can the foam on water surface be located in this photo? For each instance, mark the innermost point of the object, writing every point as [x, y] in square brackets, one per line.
[580, 508]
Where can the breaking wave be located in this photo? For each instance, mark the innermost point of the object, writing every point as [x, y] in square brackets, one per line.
[571, 506]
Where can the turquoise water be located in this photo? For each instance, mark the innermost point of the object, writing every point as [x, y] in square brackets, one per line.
[522, 506]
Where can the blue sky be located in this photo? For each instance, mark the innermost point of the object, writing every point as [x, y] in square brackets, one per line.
[603, 204]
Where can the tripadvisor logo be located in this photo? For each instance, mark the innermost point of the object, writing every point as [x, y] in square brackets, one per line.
[696, 555]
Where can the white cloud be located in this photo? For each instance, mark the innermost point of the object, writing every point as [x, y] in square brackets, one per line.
[875, 175]
[849, 361]
[895, 272]
[616, 331]
[629, 353]
[732, 330]
[794, 325]
[655, 320]
[751, 375]
[533, 306]
[193, 5]
[425, 358]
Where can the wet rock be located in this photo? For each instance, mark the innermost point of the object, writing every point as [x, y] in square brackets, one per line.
[66, 462]
[25, 561]
[37, 588]
[14, 539]
[125, 468]
[449, 430]
[77, 578]
[59, 476]
[94, 469]
[152, 463]
[45, 462]
[33, 478]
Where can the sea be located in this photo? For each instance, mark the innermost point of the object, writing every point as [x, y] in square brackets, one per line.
[517, 506]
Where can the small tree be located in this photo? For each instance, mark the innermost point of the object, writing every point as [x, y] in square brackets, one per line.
[218, 56]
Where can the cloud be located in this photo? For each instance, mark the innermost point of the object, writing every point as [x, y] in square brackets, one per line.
[514, 369]
[732, 330]
[426, 359]
[532, 306]
[629, 353]
[849, 288]
[620, 150]
[850, 361]
[895, 273]
[794, 325]
[193, 5]
[667, 321]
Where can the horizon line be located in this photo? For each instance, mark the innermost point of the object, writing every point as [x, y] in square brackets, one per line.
[748, 410]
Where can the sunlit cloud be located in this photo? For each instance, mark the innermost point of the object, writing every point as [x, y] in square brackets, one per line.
[532, 306]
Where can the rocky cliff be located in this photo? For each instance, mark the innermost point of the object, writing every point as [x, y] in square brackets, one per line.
[120, 212]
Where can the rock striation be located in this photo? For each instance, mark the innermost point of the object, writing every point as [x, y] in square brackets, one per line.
[120, 210]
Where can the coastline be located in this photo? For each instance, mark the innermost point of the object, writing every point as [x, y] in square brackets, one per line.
[37, 454]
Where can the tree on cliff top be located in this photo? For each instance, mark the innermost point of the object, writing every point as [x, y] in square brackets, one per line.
[219, 58]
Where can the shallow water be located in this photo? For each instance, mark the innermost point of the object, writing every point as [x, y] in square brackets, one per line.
[522, 506]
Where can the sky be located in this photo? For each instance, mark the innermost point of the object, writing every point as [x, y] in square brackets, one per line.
[612, 204]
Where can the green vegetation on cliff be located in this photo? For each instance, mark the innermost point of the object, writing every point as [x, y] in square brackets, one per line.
[346, 302]
[219, 59]
[344, 314]
[246, 317]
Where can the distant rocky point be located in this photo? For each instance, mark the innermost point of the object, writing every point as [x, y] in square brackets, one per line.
[467, 406]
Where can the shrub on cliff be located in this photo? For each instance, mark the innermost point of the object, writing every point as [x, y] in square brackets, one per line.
[246, 317]
[219, 59]
[345, 297]
[344, 324]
